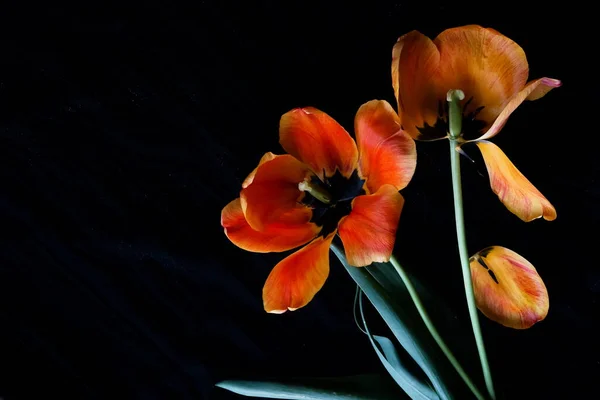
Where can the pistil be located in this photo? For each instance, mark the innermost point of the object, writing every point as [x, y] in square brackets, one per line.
[316, 190]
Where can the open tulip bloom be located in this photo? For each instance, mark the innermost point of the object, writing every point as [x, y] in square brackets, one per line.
[491, 71]
[323, 186]
[463, 86]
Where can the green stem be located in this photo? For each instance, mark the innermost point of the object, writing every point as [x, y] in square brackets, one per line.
[455, 116]
[436, 336]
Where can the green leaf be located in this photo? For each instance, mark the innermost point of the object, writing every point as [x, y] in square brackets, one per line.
[390, 359]
[456, 334]
[359, 387]
[400, 314]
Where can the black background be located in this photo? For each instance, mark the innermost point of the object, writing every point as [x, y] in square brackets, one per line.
[125, 130]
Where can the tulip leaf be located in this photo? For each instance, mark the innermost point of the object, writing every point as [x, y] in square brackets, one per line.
[456, 334]
[389, 357]
[399, 313]
[359, 387]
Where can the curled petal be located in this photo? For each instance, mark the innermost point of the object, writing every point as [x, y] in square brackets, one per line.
[388, 155]
[513, 189]
[369, 231]
[319, 141]
[250, 178]
[507, 288]
[533, 91]
[486, 65]
[274, 238]
[297, 278]
[272, 194]
[415, 62]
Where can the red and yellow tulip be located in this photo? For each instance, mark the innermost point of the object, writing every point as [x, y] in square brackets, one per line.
[326, 184]
[492, 71]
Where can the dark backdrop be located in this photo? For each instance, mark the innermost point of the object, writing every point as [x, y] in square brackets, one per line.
[124, 131]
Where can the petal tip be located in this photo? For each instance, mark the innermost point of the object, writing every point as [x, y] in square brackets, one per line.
[551, 217]
[554, 83]
[274, 311]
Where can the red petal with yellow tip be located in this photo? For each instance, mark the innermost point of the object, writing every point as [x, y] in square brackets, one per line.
[274, 238]
[415, 62]
[486, 65]
[273, 195]
[387, 154]
[533, 91]
[369, 231]
[319, 141]
[297, 278]
[513, 189]
[507, 288]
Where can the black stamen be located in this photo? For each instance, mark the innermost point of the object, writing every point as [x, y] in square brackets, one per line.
[467, 103]
[342, 191]
[476, 111]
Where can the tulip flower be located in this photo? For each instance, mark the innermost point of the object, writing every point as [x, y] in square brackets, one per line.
[325, 185]
[492, 71]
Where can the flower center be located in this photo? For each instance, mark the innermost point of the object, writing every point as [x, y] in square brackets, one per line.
[331, 198]
[472, 127]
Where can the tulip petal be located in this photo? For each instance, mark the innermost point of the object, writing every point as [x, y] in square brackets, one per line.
[513, 189]
[507, 288]
[369, 231]
[250, 178]
[388, 155]
[275, 237]
[533, 91]
[272, 194]
[415, 61]
[297, 278]
[486, 65]
[316, 139]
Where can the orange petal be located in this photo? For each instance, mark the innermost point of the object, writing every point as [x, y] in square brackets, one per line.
[369, 231]
[533, 91]
[272, 194]
[250, 178]
[274, 238]
[388, 155]
[486, 65]
[415, 61]
[319, 141]
[513, 189]
[297, 278]
[507, 288]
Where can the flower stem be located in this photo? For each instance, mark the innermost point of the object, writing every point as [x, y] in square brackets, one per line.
[436, 336]
[455, 122]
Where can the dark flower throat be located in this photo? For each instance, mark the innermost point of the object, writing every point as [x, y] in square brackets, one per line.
[341, 191]
[472, 128]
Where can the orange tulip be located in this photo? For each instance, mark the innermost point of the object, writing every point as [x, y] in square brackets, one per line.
[323, 186]
[508, 288]
[492, 71]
